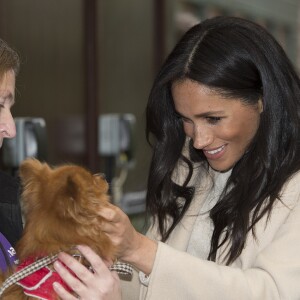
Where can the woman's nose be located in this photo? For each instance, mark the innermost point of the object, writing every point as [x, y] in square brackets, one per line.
[202, 138]
[7, 124]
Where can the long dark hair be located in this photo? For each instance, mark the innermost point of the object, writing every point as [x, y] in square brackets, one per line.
[239, 59]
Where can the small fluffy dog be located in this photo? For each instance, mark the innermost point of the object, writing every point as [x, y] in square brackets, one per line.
[60, 207]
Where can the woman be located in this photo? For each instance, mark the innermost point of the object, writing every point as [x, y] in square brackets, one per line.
[223, 192]
[10, 212]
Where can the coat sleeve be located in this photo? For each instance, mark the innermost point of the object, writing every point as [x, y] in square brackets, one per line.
[274, 272]
[11, 225]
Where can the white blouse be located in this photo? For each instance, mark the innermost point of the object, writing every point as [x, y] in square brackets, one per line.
[199, 244]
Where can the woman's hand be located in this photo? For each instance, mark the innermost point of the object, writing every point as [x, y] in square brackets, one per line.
[100, 285]
[120, 231]
[132, 246]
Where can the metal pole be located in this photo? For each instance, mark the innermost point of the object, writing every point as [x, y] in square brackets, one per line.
[159, 33]
[90, 59]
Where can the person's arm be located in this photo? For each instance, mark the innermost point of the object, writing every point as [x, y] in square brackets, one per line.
[101, 284]
[273, 274]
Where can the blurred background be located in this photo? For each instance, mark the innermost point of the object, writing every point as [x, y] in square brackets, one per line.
[87, 69]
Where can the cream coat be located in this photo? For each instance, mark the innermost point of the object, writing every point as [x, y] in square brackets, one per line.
[267, 269]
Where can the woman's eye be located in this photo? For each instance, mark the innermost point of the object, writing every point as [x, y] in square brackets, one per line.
[185, 120]
[213, 120]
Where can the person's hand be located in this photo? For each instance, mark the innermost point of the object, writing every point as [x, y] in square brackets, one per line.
[120, 231]
[100, 285]
[132, 247]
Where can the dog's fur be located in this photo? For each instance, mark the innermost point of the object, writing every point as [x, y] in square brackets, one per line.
[60, 208]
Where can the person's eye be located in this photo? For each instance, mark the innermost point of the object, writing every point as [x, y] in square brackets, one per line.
[183, 119]
[186, 120]
[213, 120]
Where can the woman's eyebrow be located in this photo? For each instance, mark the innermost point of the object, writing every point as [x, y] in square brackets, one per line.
[209, 113]
[204, 114]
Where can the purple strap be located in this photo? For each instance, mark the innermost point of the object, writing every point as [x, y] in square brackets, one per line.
[8, 255]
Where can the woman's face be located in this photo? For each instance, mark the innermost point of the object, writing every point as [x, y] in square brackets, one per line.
[222, 128]
[7, 98]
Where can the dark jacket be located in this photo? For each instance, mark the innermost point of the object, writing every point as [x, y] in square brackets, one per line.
[10, 211]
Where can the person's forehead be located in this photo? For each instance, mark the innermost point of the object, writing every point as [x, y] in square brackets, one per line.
[7, 86]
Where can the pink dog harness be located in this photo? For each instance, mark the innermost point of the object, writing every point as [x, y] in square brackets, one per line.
[39, 284]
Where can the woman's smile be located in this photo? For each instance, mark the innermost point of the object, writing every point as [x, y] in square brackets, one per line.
[214, 153]
[221, 127]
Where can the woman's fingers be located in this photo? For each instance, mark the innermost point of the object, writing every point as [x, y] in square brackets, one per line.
[111, 213]
[74, 283]
[62, 293]
[115, 223]
[99, 284]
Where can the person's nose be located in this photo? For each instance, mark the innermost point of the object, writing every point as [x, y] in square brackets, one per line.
[7, 125]
[203, 137]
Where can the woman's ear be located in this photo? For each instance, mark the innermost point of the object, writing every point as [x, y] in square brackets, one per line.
[260, 106]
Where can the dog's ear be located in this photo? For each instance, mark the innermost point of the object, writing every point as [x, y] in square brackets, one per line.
[73, 186]
[31, 170]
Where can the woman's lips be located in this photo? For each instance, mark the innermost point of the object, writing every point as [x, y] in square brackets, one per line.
[214, 153]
